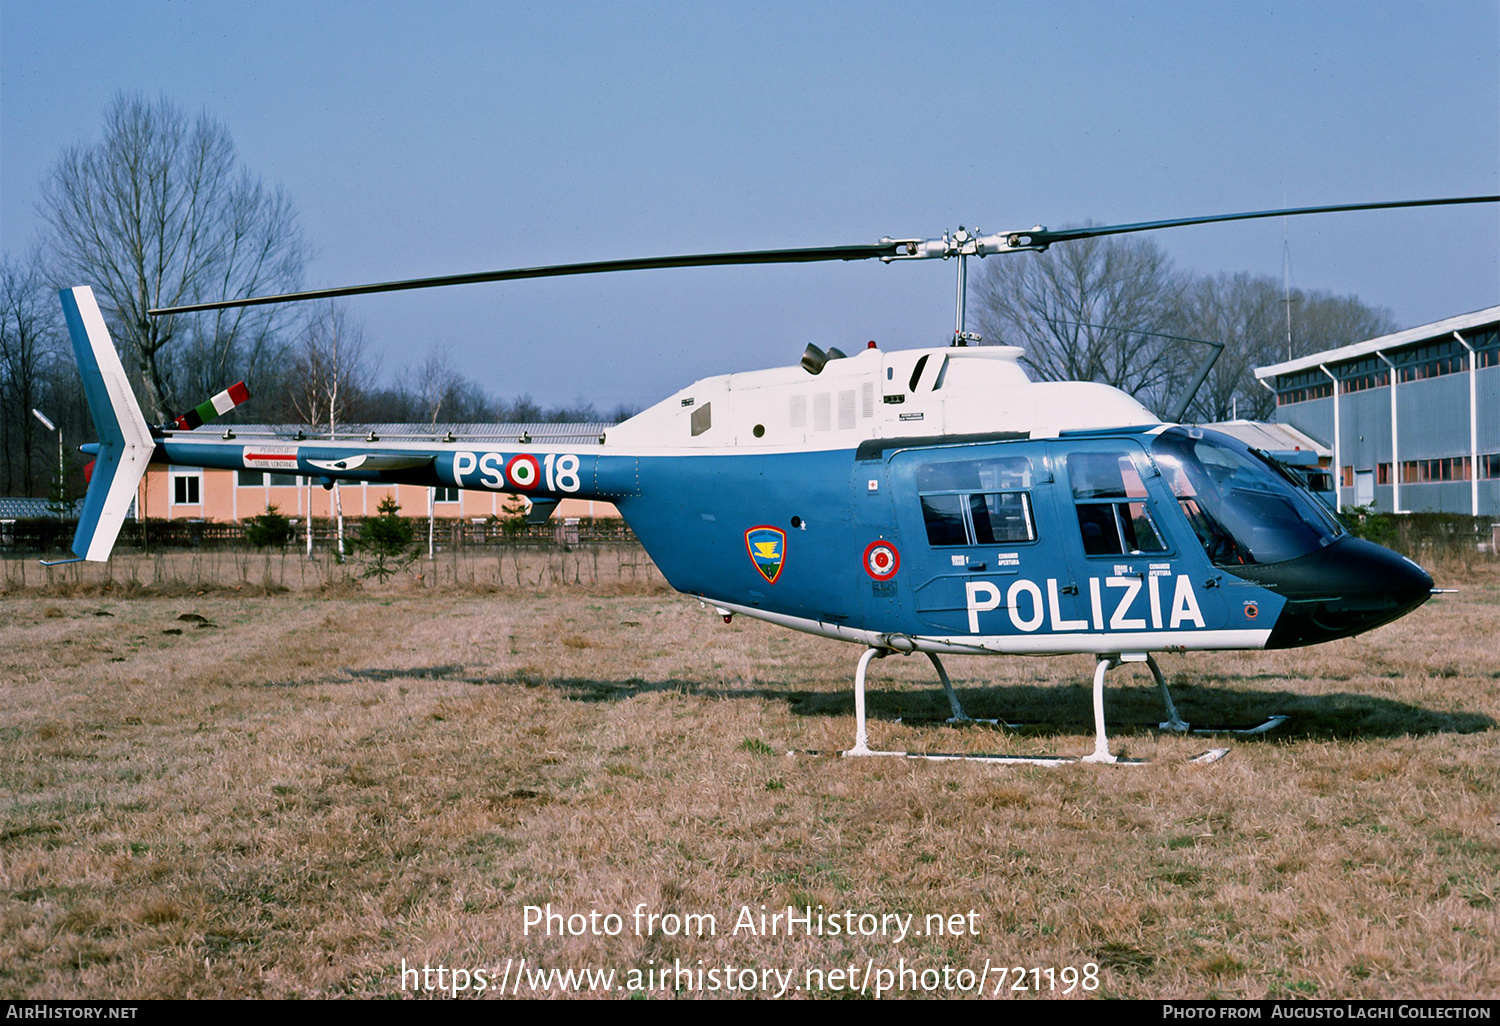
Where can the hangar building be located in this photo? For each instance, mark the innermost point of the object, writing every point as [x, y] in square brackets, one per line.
[1412, 419]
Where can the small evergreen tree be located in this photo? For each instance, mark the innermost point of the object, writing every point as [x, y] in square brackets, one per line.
[388, 540]
[513, 522]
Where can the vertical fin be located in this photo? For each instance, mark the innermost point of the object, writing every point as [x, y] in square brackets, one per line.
[125, 442]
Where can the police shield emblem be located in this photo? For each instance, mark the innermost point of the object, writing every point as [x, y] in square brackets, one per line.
[767, 548]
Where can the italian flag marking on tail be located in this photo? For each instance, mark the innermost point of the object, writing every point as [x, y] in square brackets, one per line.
[215, 408]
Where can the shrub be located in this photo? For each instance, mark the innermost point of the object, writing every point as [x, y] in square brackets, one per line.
[1364, 522]
[269, 530]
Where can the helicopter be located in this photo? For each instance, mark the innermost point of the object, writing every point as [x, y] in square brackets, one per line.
[932, 500]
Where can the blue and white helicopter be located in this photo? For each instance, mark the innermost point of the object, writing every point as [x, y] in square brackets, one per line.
[919, 500]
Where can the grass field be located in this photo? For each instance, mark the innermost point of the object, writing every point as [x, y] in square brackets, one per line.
[239, 784]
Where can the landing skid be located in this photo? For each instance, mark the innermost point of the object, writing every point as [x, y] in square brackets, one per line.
[1100, 753]
[967, 721]
[1173, 724]
[1201, 759]
[1260, 728]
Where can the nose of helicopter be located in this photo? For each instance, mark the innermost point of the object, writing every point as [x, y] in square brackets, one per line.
[1345, 589]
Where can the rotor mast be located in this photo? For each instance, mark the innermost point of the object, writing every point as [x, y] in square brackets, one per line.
[962, 244]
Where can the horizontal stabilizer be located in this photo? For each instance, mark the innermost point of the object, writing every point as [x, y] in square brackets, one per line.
[125, 442]
[540, 510]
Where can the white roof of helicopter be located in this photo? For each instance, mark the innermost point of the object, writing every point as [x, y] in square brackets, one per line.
[878, 394]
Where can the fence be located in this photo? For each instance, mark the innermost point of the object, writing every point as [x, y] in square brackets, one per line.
[1422, 536]
[44, 536]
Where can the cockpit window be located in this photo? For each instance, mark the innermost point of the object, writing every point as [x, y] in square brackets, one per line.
[1110, 497]
[1241, 508]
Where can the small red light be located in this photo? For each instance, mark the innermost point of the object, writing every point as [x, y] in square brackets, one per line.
[872, 345]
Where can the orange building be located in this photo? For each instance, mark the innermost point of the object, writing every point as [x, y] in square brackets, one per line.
[199, 493]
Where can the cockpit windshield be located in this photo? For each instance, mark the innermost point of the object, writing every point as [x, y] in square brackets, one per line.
[1242, 508]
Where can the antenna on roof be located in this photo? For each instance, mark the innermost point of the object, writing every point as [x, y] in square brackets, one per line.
[1286, 279]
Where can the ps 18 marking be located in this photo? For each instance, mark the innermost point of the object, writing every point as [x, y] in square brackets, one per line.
[558, 472]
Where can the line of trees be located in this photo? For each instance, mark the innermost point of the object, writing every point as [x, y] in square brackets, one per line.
[33, 376]
[159, 212]
[1107, 310]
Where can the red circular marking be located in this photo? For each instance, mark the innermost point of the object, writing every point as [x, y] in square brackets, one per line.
[882, 560]
[529, 462]
[1251, 610]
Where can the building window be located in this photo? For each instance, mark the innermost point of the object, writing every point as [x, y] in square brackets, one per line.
[1454, 468]
[1346, 477]
[1383, 473]
[1302, 387]
[250, 478]
[1486, 348]
[285, 480]
[443, 493]
[187, 489]
[1489, 466]
[1359, 375]
[1431, 360]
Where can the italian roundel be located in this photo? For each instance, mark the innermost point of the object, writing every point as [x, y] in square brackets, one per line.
[523, 472]
[767, 548]
[882, 560]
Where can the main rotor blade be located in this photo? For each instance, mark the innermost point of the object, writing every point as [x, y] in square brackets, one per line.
[1046, 237]
[886, 249]
[762, 256]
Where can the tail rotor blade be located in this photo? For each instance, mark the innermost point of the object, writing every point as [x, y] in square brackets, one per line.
[213, 409]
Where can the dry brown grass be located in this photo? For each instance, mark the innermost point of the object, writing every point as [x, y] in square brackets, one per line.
[296, 792]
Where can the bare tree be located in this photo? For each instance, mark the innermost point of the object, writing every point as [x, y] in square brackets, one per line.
[28, 343]
[158, 214]
[1245, 313]
[330, 373]
[1081, 311]
[522, 410]
[1322, 320]
[443, 392]
[1087, 312]
[1248, 314]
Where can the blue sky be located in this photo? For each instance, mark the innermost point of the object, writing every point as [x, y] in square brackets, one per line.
[449, 137]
